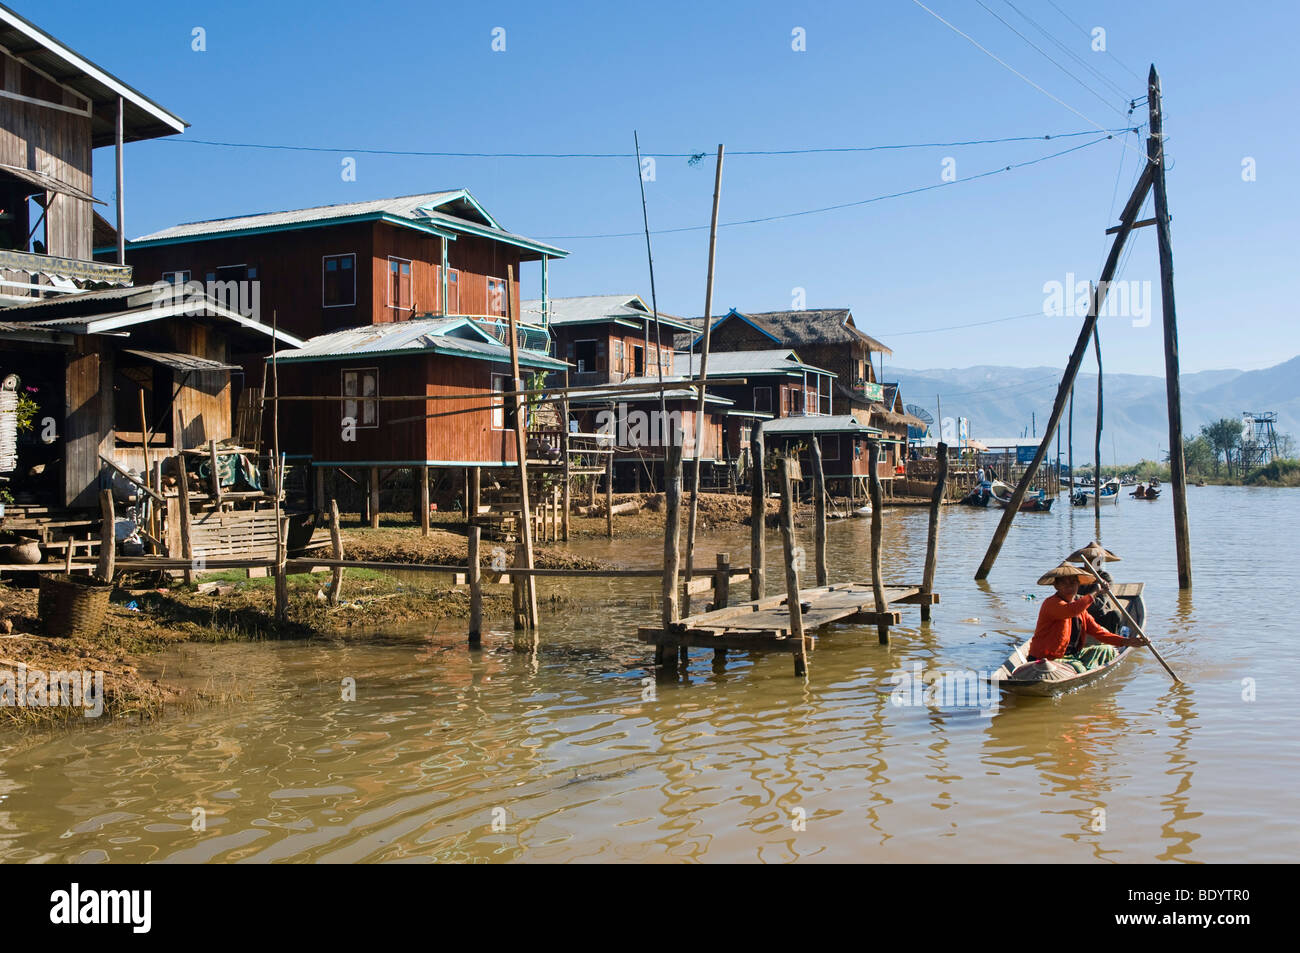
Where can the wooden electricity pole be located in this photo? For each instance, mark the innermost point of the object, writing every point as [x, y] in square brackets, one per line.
[521, 449]
[1127, 219]
[1177, 466]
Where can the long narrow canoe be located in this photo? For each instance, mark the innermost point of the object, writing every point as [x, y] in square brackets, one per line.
[1044, 680]
[1035, 502]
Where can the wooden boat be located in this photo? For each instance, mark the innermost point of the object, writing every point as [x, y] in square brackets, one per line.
[1109, 494]
[1149, 496]
[1041, 680]
[1034, 502]
[863, 510]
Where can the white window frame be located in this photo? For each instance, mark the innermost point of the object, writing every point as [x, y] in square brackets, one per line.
[325, 258]
[354, 406]
[616, 361]
[453, 281]
[388, 277]
[499, 410]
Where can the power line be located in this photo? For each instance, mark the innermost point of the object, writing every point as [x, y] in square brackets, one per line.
[285, 147]
[1005, 65]
[1067, 51]
[1047, 56]
[974, 324]
[842, 205]
[1088, 34]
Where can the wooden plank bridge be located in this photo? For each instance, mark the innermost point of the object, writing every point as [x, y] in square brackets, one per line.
[765, 625]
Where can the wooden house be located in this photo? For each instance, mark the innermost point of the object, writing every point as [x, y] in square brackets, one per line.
[382, 374]
[843, 440]
[332, 267]
[607, 339]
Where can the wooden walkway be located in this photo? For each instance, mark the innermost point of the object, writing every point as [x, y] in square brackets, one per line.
[764, 625]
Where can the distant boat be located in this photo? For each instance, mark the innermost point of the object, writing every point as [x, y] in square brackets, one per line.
[1109, 494]
[864, 510]
[1035, 502]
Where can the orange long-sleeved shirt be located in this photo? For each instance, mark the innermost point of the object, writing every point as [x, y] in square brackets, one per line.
[1052, 634]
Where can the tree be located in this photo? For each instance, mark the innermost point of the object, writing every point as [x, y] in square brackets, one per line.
[1223, 436]
[1198, 456]
[1286, 446]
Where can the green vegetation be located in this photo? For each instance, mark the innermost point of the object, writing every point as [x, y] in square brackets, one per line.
[1277, 473]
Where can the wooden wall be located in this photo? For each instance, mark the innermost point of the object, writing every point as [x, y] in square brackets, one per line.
[468, 438]
[53, 141]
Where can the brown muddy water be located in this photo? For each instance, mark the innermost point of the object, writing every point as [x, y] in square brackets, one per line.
[568, 754]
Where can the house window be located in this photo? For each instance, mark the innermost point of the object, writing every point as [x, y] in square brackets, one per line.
[504, 411]
[617, 366]
[796, 401]
[584, 353]
[399, 284]
[176, 277]
[763, 399]
[496, 296]
[638, 360]
[453, 291]
[234, 273]
[339, 281]
[361, 383]
[831, 448]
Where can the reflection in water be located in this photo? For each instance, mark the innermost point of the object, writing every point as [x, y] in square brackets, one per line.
[559, 754]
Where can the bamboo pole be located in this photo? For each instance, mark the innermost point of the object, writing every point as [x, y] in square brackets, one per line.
[932, 534]
[281, 544]
[819, 510]
[1173, 393]
[1127, 218]
[424, 499]
[475, 589]
[1070, 449]
[757, 514]
[664, 656]
[521, 448]
[877, 534]
[609, 495]
[373, 496]
[107, 537]
[1096, 450]
[791, 568]
[698, 428]
[567, 502]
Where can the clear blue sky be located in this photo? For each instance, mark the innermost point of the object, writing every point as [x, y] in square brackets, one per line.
[581, 77]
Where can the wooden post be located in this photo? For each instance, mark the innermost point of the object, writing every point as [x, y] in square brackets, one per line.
[698, 425]
[475, 589]
[67, 556]
[819, 510]
[1127, 219]
[518, 589]
[609, 494]
[374, 498]
[107, 537]
[119, 160]
[475, 492]
[757, 514]
[877, 532]
[424, 499]
[555, 514]
[336, 546]
[564, 452]
[281, 573]
[1173, 393]
[521, 447]
[932, 536]
[664, 655]
[216, 471]
[320, 490]
[183, 493]
[1070, 449]
[791, 570]
[722, 581]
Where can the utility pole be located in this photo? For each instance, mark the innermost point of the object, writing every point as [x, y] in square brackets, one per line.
[1173, 394]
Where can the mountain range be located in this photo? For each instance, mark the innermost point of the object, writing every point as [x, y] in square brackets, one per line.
[1003, 402]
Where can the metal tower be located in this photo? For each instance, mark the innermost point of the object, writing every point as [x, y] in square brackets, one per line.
[1258, 440]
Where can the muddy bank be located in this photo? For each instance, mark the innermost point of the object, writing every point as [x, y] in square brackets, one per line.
[716, 509]
[442, 547]
[143, 622]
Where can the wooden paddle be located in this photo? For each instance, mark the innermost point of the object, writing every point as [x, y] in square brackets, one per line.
[1129, 619]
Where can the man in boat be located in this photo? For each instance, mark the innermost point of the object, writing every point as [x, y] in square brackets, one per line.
[1064, 622]
[1140, 492]
[1102, 609]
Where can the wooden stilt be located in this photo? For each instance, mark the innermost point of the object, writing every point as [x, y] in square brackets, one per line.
[474, 494]
[1096, 454]
[791, 570]
[475, 589]
[664, 655]
[319, 502]
[107, 537]
[183, 494]
[877, 532]
[609, 496]
[336, 546]
[422, 474]
[932, 535]
[564, 453]
[521, 448]
[819, 510]
[757, 514]
[722, 581]
[374, 497]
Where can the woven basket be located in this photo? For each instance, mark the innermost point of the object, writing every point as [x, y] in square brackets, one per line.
[72, 607]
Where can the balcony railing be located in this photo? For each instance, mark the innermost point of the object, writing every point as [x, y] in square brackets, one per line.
[21, 275]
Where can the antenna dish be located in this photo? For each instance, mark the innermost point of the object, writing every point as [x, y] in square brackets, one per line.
[920, 413]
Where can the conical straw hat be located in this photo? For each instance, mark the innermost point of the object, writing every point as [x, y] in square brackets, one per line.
[1095, 552]
[1066, 571]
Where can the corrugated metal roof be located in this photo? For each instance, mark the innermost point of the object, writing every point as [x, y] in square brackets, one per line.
[840, 423]
[813, 326]
[437, 335]
[586, 309]
[425, 208]
[182, 362]
[43, 180]
[740, 363]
